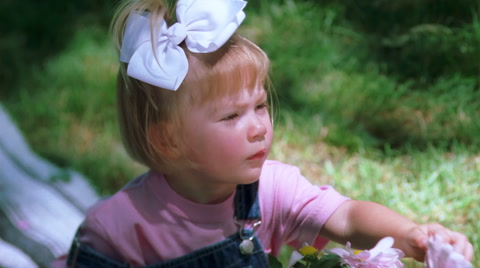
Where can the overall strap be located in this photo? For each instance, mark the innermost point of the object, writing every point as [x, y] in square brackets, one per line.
[82, 256]
[246, 202]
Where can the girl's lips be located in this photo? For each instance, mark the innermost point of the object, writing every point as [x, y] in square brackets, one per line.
[258, 155]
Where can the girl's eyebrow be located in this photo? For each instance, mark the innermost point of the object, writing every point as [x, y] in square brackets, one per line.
[259, 97]
[226, 102]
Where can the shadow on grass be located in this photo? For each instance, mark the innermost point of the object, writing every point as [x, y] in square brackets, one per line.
[34, 30]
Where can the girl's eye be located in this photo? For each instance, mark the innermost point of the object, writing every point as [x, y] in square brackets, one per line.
[230, 117]
[262, 106]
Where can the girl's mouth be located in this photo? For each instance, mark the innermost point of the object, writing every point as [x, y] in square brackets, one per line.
[259, 155]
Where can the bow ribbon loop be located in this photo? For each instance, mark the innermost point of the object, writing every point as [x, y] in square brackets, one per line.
[204, 25]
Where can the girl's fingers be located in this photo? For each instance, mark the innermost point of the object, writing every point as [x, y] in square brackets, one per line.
[437, 229]
[461, 244]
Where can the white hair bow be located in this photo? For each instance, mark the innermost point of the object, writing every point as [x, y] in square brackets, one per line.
[205, 25]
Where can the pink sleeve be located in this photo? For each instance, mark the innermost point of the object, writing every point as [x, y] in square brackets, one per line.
[337, 200]
[313, 209]
[296, 208]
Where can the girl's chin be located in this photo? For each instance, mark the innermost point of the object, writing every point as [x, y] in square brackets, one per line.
[250, 179]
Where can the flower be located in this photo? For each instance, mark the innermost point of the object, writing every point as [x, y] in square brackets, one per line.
[381, 256]
[298, 255]
[439, 255]
[442, 255]
[308, 250]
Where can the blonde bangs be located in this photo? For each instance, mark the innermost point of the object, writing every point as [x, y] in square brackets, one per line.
[239, 64]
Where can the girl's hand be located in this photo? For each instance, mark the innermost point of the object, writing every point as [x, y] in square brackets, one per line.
[416, 239]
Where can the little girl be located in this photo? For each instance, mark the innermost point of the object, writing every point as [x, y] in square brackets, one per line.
[193, 106]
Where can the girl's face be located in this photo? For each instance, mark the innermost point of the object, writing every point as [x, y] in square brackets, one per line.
[229, 138]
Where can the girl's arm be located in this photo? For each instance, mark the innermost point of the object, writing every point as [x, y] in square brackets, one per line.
[365, 223]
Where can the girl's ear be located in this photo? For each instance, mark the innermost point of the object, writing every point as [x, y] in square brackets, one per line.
[160, 137]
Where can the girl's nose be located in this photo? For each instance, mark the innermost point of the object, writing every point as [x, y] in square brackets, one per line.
[257, 129]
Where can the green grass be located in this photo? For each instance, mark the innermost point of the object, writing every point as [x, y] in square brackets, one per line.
[346, 116]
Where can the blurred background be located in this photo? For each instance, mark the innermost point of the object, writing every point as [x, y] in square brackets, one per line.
[379, 98]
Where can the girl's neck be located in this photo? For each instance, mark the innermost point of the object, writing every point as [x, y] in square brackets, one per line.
[196, 190]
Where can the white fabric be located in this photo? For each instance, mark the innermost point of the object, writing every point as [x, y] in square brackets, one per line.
[42, 202]
[205, 25]
[12, 257]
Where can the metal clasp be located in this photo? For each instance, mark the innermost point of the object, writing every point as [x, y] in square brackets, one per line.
[246, 246]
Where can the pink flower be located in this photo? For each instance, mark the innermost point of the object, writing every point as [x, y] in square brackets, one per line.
[381, 256]
[442, 255]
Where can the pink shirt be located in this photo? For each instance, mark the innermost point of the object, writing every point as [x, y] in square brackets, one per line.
[147, 222]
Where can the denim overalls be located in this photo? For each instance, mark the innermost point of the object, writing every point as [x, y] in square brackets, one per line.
[241, 249]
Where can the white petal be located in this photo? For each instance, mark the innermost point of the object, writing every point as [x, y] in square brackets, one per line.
[384, 244]
[340, 252]
[296, 256]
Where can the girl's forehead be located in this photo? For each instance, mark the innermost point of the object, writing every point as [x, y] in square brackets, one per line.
[242, 96]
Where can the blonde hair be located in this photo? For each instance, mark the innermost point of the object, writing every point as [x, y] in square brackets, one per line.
[150, 116]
